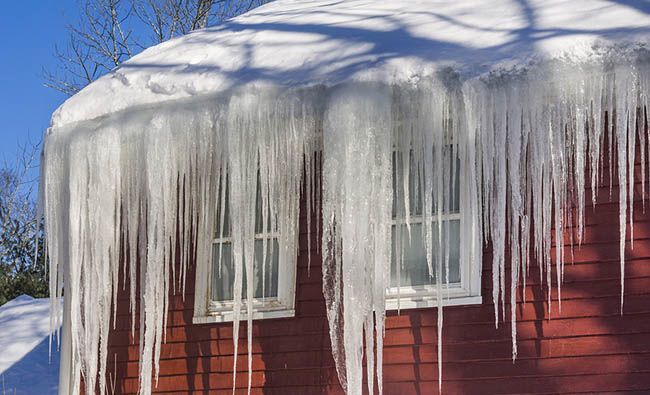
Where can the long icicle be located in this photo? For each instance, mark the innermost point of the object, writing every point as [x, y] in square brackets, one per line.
[105, 190]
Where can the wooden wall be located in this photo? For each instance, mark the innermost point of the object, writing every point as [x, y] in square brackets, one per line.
[588, 347]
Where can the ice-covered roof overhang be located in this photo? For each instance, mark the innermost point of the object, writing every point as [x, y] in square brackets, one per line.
[536, 89]
[298, 43]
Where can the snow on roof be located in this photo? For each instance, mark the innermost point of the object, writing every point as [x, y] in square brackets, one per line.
[24, 347]
[300, 43]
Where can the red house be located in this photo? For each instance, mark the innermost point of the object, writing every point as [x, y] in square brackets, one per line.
[366, 164]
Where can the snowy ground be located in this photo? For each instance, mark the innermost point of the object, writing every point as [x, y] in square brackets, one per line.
[25, 366]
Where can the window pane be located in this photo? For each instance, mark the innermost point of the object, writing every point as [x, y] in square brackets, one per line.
[414, 269]
[225, 216]
[222, 283]
[415, 201]
[272, 254]
[259, 225]
[415, 188]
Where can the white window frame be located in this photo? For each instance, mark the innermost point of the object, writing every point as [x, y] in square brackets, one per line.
[207, 310]
[468, 291]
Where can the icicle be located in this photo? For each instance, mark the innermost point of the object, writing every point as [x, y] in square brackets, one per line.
[357, 198]
[523, 142]
[105, 191]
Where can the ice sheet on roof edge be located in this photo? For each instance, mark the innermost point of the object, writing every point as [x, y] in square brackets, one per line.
[524, 142]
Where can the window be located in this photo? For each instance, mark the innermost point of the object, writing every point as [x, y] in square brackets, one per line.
[274, 270]
[411, 286]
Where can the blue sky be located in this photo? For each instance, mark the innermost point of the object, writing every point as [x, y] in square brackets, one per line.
[29, 29]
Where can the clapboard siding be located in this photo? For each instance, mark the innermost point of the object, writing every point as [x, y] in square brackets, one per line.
[587, 347]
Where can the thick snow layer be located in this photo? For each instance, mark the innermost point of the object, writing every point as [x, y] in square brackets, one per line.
[297, 43]
[24, 348]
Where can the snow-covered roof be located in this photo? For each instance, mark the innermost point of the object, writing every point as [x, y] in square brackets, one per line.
[299, 43]
[24, 347]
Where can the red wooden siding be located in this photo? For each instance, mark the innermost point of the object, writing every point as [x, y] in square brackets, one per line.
[588, 347]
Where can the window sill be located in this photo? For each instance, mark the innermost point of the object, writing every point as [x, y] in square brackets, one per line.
[422, 302]
[227, 316]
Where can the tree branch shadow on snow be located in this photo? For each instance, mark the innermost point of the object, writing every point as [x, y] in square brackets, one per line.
[369, 48]
[34, 373]
[640, 5]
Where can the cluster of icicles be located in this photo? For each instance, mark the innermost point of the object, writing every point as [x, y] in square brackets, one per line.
[140, 189]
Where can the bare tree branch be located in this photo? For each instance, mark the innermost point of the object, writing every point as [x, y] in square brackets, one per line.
[111, 31]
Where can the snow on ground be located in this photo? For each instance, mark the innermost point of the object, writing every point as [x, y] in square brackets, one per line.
[24, 348]
[297, 43]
